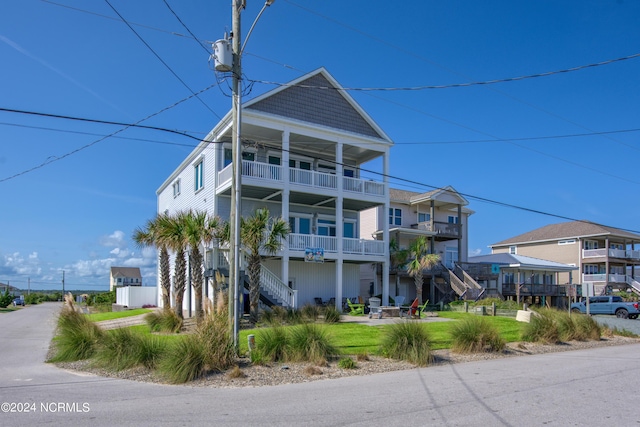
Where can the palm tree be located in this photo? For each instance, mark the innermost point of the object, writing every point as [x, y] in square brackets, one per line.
[199, 230]
[148, 236]
[420, 261]
[171, 233]
[259, 232]
[397, 258]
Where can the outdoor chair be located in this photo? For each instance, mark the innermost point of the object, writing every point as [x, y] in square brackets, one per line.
[318, 301]
[398, 300]
[356, 309]
[413, 308]
[374, 308]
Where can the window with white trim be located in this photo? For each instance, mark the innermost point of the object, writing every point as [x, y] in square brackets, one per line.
[452, 219]
[300, 225]
[176, 188]
[198, 176]
[547, 279]
[616, 246]
[326, 227]
[591, 269]
[424, 217]
[395, 216]
[507, 278]
[590, 244]
[513, 250]
[567, 242]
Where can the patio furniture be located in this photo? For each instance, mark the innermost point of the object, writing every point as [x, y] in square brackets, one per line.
[356, 309]
[318, 301]
[413, 309]
[374, 308]
[398, 300]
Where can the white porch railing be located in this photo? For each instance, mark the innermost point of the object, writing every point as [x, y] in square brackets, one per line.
[300, 242]
[613, 278]
[276, 287]
[611, 253]
[305, 177]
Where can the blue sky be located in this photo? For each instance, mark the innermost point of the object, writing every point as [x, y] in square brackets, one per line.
[78, 58]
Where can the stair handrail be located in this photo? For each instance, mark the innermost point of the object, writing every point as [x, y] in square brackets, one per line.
[457, 284]
[635, 285]
[276, 287]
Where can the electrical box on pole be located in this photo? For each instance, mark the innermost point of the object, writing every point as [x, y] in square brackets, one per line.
[223, 55]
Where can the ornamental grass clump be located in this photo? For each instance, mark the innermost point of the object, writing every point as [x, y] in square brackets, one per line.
[119, 349]
[208, 349]
[407, 341]
[311, 343]
[587, 327]
[271, 345]
[541, 328]
[77, 337]
[310, 312]
[475, 335]
[165, 320]
[331, 314]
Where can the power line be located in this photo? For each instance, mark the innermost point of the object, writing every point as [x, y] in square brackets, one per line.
[186, 28]
[162, 61]
[125, 126]
[455, 85]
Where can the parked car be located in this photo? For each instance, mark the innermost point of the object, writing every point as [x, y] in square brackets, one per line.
[608, 305]
[18, 301]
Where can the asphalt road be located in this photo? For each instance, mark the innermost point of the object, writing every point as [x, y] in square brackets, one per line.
[580, 388]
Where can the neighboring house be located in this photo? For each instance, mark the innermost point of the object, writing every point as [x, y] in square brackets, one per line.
[604, 256]
[520, 278]
[12, 289]
[124, 276]
[303, 145]
[439, 215]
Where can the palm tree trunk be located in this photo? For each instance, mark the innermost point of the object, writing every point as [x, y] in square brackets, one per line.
[179, 282]
[165, 278]
[196, 270]
[418, 282]
[253, 268]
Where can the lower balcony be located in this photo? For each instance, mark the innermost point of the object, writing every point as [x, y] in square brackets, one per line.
[612, 278]
[301, 242]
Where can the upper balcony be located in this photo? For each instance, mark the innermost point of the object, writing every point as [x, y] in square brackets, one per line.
[257, 174]
[611, 253]
[441, 229]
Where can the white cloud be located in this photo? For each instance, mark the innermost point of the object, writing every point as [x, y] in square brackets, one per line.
[475, 252]
[16, 264]
[116, 239]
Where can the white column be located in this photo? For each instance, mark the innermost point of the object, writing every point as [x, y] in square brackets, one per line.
[339, 225]
[385, 229]
[285, 203]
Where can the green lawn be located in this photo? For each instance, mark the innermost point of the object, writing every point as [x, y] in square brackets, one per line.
[99, 317]
[354, 338]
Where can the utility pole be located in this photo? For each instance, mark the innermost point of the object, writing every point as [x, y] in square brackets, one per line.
[236, 179]
[28, 285]
[62, 284]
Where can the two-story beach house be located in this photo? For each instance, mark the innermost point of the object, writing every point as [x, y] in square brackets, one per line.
[303, 145]
[439, 215]
[124, 276]
[606, 257]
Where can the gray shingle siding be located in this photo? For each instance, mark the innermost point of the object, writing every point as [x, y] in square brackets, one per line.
[325, 107]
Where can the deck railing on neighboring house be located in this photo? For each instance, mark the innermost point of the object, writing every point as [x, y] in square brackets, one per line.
[613, 278]
[611, 253]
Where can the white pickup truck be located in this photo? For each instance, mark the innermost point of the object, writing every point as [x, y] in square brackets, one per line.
[608, 305]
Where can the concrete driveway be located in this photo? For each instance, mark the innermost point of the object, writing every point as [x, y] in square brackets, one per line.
[582, 388]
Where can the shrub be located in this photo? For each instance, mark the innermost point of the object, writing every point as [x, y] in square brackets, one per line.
[475, 334]
[213, 333]
[6, 299]
[541, 328]
[271, 344]
[119, 349]
[77, 336]
[310, 312]
[163, 321]
[331, 314]
[310, 342]
[347, 363]
[407, 341]
[184, 360]
[151, 351]
[587, 327]
[236, 372]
